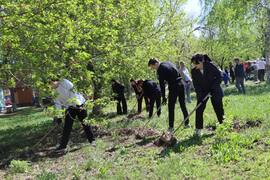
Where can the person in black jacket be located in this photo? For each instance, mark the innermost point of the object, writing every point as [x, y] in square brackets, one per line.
[152, 91]
[167, 71]
[239, 76]
[118, 90]
[206, 79]
[139, 96]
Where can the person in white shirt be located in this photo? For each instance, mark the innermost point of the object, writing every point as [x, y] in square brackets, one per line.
[261, 69]
[74, 105]
[186, 80]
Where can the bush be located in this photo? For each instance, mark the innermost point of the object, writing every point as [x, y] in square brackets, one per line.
[226, 146]
[17, 166]
[47, 176]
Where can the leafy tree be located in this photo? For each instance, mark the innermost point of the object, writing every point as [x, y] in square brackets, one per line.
[237, 28]
[89, 41]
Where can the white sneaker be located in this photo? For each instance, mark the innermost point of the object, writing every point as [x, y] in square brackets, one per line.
[198, 132]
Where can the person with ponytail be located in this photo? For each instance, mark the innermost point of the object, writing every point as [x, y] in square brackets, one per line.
[206, 79]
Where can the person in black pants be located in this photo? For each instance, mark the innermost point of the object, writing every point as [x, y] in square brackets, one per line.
[239, 76]
[118, 90]
[139, 96]
[73, 102]
[167, 71]
[206, 79]
[152, 91]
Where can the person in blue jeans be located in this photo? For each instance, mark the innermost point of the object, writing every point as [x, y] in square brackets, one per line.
[186, 80]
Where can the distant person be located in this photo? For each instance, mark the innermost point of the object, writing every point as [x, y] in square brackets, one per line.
[261, 69]
[239, 76]
[255, 69]
[152, 91]
[119, 95]
[232, 75]
[139, 95]
[248, 71]
[167, 72]
[187, 81]
[206, 79]
[245, 65]
[74, 104]
[226, 76]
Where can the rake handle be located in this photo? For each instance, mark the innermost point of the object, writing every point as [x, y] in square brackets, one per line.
[198, 105]
[152, 116]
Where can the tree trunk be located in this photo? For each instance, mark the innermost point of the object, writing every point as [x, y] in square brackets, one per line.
[267, 46]
[97, 109]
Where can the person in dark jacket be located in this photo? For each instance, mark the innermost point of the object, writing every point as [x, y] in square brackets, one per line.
[206, 79]
[167, 71]
[152, 91]
[239, 76]
[139, 95]
[118, 90]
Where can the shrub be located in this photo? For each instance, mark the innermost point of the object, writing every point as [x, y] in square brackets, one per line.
[47, 176]
[17, 166]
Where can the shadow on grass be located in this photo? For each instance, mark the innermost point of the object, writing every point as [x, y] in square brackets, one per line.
[17, 143]
[181, 146]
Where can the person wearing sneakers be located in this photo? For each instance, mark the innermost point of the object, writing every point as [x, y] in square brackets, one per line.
[206, 79]
[74, 105]
[167, 71]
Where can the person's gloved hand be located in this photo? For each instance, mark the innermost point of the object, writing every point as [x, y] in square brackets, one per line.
[57, 120]
[164, 101]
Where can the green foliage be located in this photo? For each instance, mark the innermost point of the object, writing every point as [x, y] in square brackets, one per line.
[89, 42]
[18, 166]
[76, 174]
[234, 29]
[47, 176]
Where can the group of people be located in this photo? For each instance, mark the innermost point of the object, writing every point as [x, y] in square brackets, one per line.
[206, 79]
[239, 72]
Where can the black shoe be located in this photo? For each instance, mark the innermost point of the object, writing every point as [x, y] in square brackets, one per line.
[60, 150]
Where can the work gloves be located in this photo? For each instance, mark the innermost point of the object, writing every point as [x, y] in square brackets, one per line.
[164, 101]
[57, 120]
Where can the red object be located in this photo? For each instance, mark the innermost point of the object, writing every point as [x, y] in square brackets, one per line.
[8, 102]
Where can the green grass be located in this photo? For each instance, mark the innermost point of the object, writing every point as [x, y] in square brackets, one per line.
[223, 154]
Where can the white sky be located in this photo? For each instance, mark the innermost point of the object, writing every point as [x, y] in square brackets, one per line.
[193, 10]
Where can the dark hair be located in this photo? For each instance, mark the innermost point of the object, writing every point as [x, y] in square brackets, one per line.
[236, 59]
[140, 81]
[206, 58]
[196, 59]
[113, 80]
[131, 80]
[152, 61]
